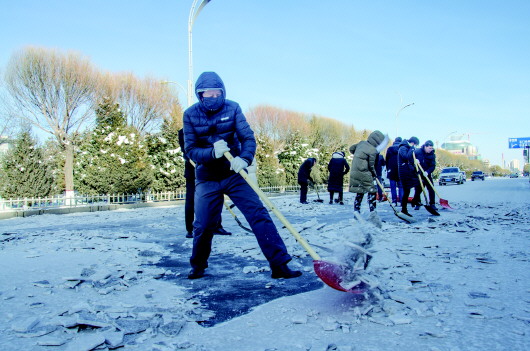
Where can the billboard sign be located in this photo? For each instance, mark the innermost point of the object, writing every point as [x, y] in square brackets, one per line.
[518, 143]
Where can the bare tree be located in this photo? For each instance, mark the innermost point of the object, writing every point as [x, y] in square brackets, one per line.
[55, 92]
[145, 102]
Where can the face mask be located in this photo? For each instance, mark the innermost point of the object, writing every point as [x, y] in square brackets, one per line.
[213, 103]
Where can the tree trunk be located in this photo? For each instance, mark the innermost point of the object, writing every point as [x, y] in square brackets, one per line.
[69, 168]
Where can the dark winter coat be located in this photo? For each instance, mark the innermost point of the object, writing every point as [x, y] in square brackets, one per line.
[379, 164]
[427, 161]
[203, 127]
[304, 172]
[392, 162]
[407, 171]
[189, 170]
[337, 167]
[363, 164]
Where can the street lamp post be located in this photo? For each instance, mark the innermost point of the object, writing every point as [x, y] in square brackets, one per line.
[191, 19]
[397, 115]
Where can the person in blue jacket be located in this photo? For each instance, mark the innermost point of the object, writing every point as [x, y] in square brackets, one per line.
[427, 159]
[304, 178]
[213, 126]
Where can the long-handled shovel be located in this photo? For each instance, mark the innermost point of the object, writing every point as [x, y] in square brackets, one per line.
[333, 274]
[229, 208]
[316, 189]
[443, 202]
[396, 212]
[427, 206]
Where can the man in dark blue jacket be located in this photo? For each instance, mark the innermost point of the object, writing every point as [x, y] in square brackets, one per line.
[212, 127]
[427, 159]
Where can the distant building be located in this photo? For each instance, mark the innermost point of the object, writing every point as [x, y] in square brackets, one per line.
[459, 146]
[515, 166]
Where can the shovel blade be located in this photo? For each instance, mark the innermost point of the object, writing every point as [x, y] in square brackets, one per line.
[445, 204]
[333, 275]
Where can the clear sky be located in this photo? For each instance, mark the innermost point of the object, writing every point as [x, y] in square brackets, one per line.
[465, 64]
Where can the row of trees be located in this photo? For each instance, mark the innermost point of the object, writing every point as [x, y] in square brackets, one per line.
[115, 133]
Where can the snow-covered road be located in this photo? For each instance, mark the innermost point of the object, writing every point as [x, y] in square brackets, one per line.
[460, 281]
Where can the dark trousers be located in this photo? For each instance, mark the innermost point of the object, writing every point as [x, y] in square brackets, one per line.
[208, 206]
[332, 193]
[406, 193]
[359, 198]
[396, 190]
[430, 190]
[303, 192]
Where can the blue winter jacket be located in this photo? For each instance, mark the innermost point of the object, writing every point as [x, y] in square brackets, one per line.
[204, 126]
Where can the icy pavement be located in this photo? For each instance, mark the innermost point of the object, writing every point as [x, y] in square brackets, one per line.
[104, 280]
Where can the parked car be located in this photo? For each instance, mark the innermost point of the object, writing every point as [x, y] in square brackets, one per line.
[514, 175]
[477, 175]
[451, 175]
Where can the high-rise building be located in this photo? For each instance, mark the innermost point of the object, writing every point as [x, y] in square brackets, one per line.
[515, 166]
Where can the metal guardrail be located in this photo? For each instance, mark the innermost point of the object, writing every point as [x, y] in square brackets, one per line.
[61, 201]
[88, 200]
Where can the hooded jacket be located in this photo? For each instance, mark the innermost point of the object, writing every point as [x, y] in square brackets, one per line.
[204, 125]
[363, 164]
[337, 167]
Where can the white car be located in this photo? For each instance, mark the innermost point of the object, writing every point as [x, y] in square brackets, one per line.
[451, 175]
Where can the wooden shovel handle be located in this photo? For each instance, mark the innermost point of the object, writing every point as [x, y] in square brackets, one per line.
[278, 214]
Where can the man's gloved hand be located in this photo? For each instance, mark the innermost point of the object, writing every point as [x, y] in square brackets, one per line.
[310, 183]
[416, 161]
[425, 174]
[219, 148]
[237, 164]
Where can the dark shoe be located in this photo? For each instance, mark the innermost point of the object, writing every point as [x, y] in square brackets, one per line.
[331, 202]
[342, 203]
[405, 212]
[284, 272]
[417, 207]
[221, 231]
[304, 202]
[433, 206]
[189, 235]
[196, 273]
[336, 200]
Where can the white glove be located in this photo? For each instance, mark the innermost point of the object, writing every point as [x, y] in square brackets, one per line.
[425, 174]
[219, 148]
[417, 161]
[237, 164]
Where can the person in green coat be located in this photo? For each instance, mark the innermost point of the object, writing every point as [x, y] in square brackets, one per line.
[362, 171]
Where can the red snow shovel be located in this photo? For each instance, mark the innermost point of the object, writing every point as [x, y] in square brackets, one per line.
[333, 274]
[443, 202]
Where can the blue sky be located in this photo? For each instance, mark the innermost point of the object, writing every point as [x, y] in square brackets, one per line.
[464, 64]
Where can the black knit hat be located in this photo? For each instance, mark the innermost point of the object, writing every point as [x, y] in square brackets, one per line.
[428, 143]
[414, 140]
[398, 140]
